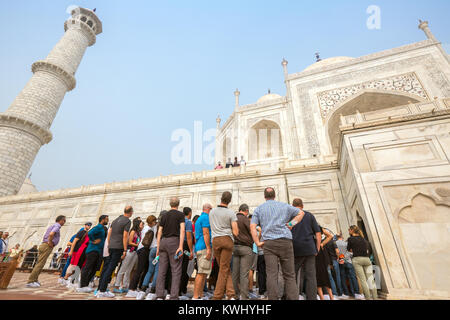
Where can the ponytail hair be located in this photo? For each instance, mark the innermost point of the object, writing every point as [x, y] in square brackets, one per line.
[355, 229]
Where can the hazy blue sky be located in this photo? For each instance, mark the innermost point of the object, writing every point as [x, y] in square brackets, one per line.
[161, 65]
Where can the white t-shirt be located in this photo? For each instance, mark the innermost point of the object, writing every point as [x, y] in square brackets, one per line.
[155, 240]
[144, 231]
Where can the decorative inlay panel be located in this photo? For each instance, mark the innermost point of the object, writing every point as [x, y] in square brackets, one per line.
[408, 83]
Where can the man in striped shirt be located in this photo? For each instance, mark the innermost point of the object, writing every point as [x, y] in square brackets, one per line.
[275, 218]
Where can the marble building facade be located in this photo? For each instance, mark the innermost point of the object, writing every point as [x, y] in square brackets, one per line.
[362, 141]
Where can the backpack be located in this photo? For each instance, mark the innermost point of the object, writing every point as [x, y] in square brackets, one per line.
[148, 239]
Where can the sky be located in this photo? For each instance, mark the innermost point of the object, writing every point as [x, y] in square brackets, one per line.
[159, 66]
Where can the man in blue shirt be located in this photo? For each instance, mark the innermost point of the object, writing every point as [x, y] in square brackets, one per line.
[203, 249]
[306, 237]
[273, 217]
[94, 253]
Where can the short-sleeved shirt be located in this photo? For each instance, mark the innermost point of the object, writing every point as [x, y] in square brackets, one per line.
[56, 227]
[143, 232]
[359, 246]
[202, 222]
[220, 219]
[80, 234]
[273, 216]
[97, 232]
[170, 221]
[118, 226]
[188, 228]
[303, 236]
[331, 248]
[342, 246]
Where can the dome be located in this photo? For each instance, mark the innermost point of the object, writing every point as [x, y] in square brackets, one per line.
[268, 97]
[27, 187]
[327, 62]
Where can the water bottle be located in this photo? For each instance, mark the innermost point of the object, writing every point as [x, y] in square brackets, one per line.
[187, 253]
[155, 261]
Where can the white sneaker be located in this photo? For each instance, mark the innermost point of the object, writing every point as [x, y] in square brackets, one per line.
[189, 295]
[131, 294]
[91, 284]
[150, 296]
[205, 298]
[360, 297]
[326, 297]
[32, 285]
[140, 295]
[344, 296]
[183, 297]
[168, 297]
[160, 299]
[85, 290]
[301, 297]
[196, 299]
[318, 297]
[106, 294]
[336, 298]
[61, 281]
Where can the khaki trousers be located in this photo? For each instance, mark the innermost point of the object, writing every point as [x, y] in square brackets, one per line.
[43, 253]
[223, 251]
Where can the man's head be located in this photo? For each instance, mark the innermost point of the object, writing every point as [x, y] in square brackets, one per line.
[207, 208]
[298, 203]
[187, 212]
[174, 202]
[128, 211]
[61, 220]
[87, 226]
[339, 236]
[151, 221]
[226, 198]
[218, 163]
[103, 220]
[1, 234]
[242, 157]
[5, 235]
[244, 209]
[269, 193]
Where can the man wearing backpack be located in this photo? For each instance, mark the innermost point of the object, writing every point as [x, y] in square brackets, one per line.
[142, 252]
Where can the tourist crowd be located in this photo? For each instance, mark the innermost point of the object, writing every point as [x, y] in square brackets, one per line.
[280, 245]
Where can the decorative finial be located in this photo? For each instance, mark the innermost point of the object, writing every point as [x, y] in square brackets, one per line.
[94, 9]
[318, 57]
[237, 92]
[284, 62]
[218, 118]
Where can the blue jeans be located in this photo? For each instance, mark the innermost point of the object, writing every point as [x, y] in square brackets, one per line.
[348, 272]
[63, 274]
[108, 268]
[152, 269]
[333, 284]
[338, 276]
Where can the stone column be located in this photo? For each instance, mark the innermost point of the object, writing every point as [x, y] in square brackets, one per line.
[24, 126]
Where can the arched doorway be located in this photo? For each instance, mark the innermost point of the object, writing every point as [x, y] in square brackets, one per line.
[364, 102]
[226, 150]
[265, 141]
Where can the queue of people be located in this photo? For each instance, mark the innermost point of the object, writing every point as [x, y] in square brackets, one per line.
[294, 258]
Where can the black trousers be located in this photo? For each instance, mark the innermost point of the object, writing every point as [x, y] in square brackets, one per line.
[184, 276]
[307, 267]
[89, 269]
[142, 255]
[261, 268]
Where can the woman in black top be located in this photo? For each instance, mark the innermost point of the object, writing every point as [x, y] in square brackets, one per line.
[360, 248]
[322, 262]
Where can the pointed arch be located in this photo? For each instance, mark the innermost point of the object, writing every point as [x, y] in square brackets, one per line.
[364, 101]
[265, 140]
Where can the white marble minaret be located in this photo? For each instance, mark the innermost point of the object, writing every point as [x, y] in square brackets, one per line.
[24, 126]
